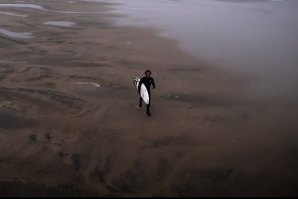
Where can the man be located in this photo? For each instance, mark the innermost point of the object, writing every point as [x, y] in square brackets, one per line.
[147, 81]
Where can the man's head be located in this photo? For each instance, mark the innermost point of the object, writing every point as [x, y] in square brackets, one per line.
[147, 73]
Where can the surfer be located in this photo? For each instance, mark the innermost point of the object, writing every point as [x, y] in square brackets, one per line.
[147, 81]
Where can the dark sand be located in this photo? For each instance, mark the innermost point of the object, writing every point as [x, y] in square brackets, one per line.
[62, 138]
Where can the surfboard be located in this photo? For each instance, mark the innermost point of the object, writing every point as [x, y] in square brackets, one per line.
[143, 91]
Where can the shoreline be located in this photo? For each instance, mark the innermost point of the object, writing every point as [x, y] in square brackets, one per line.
[63, 136]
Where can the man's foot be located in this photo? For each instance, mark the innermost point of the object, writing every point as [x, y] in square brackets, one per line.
[148, 114]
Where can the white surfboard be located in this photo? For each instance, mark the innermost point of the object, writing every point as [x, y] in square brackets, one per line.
[143, 92]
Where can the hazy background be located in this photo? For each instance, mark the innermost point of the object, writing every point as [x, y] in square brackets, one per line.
[257, 39]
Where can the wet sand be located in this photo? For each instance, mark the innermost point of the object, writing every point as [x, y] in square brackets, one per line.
[70, 124]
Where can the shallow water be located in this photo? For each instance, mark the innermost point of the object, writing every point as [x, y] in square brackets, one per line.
[60, 23]
[38, 7]
[21, 5]
[12, 14]
[89, 83]
[257, 39]
[17, 35]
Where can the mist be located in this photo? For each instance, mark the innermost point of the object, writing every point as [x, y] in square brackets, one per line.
[254, 39]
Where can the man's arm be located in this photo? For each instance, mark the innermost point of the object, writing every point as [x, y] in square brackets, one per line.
[153, 83]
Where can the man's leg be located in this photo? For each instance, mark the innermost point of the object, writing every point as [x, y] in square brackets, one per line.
[148, 105]
[148, 109]
[140, 104]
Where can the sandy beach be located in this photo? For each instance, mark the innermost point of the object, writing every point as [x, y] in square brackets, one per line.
[70, 124]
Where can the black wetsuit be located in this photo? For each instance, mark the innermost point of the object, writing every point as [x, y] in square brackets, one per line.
[147, 81]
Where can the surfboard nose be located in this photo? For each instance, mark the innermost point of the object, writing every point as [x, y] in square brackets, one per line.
[135, 80]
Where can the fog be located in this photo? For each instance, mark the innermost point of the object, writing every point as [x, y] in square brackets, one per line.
[257, 39]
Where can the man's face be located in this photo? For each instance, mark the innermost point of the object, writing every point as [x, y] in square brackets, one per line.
[147, 74]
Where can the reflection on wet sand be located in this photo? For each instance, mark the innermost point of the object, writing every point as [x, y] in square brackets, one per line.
[60, 23]
[18, 35]
[16, 5]
[12, 14]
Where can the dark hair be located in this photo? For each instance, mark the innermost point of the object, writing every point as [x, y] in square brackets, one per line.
[148, 71]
